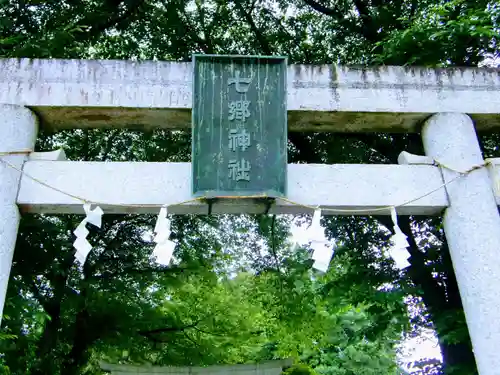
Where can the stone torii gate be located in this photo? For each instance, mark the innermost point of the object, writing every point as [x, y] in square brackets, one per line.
[451, 104]
[274, 367]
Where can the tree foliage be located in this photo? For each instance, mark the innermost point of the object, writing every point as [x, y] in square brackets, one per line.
[238, 291]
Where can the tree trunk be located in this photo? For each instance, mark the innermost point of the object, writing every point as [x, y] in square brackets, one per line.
[458, 359]
[81, 341]
[455, 343]
[46, 346]
[444, 304]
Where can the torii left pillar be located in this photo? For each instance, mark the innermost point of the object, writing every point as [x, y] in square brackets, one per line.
[18, 131]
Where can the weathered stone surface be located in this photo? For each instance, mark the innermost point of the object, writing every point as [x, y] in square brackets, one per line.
[151, 94]
[265, 368]
[17, 133]
[141, 187]
[471, 224]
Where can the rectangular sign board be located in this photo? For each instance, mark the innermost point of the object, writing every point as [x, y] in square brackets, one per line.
[239, 126]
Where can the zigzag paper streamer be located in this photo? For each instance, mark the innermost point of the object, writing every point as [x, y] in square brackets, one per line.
[322, 249]
[322, 256]
[400, 242]
[164, 248]
[81, 244]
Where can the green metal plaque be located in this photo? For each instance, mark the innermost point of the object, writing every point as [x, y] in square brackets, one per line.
[239, 126]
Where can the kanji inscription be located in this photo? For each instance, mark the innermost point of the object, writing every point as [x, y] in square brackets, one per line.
[239, 126]
[239, 139]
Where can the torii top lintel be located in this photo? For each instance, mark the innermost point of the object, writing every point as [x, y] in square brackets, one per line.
[158, 94]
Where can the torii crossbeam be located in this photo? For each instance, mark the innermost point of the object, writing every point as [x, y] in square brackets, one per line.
[61, 94]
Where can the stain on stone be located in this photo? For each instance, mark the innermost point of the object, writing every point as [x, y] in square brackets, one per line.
[85, 95]
[333, 75]
[354, 68]
[298, 70]
[439, 79]
[409, 69]
[450, 73]
[334, 83]
[363, 70]
[96, 117]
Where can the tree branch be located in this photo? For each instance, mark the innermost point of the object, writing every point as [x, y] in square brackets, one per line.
[115, 19]
[40, 298]
[208, 332]
[190, 339]
[206, 30]
[263, 42]
[202, 43]
[167, 329]
[307, 151]
[134, 271]
[109, 144]
[434, 295]
[321, 8]
[150, 334]
[368, 30]
[390, 149]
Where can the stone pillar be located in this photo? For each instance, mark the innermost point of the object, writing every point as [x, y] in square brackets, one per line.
[472, 227]
[18, 130]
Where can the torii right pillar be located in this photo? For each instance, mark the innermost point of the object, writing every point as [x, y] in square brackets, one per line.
[472, 228]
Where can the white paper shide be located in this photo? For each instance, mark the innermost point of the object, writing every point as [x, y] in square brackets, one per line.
[164, 249]
[81, 244]
[322, 249]
[398, 251]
